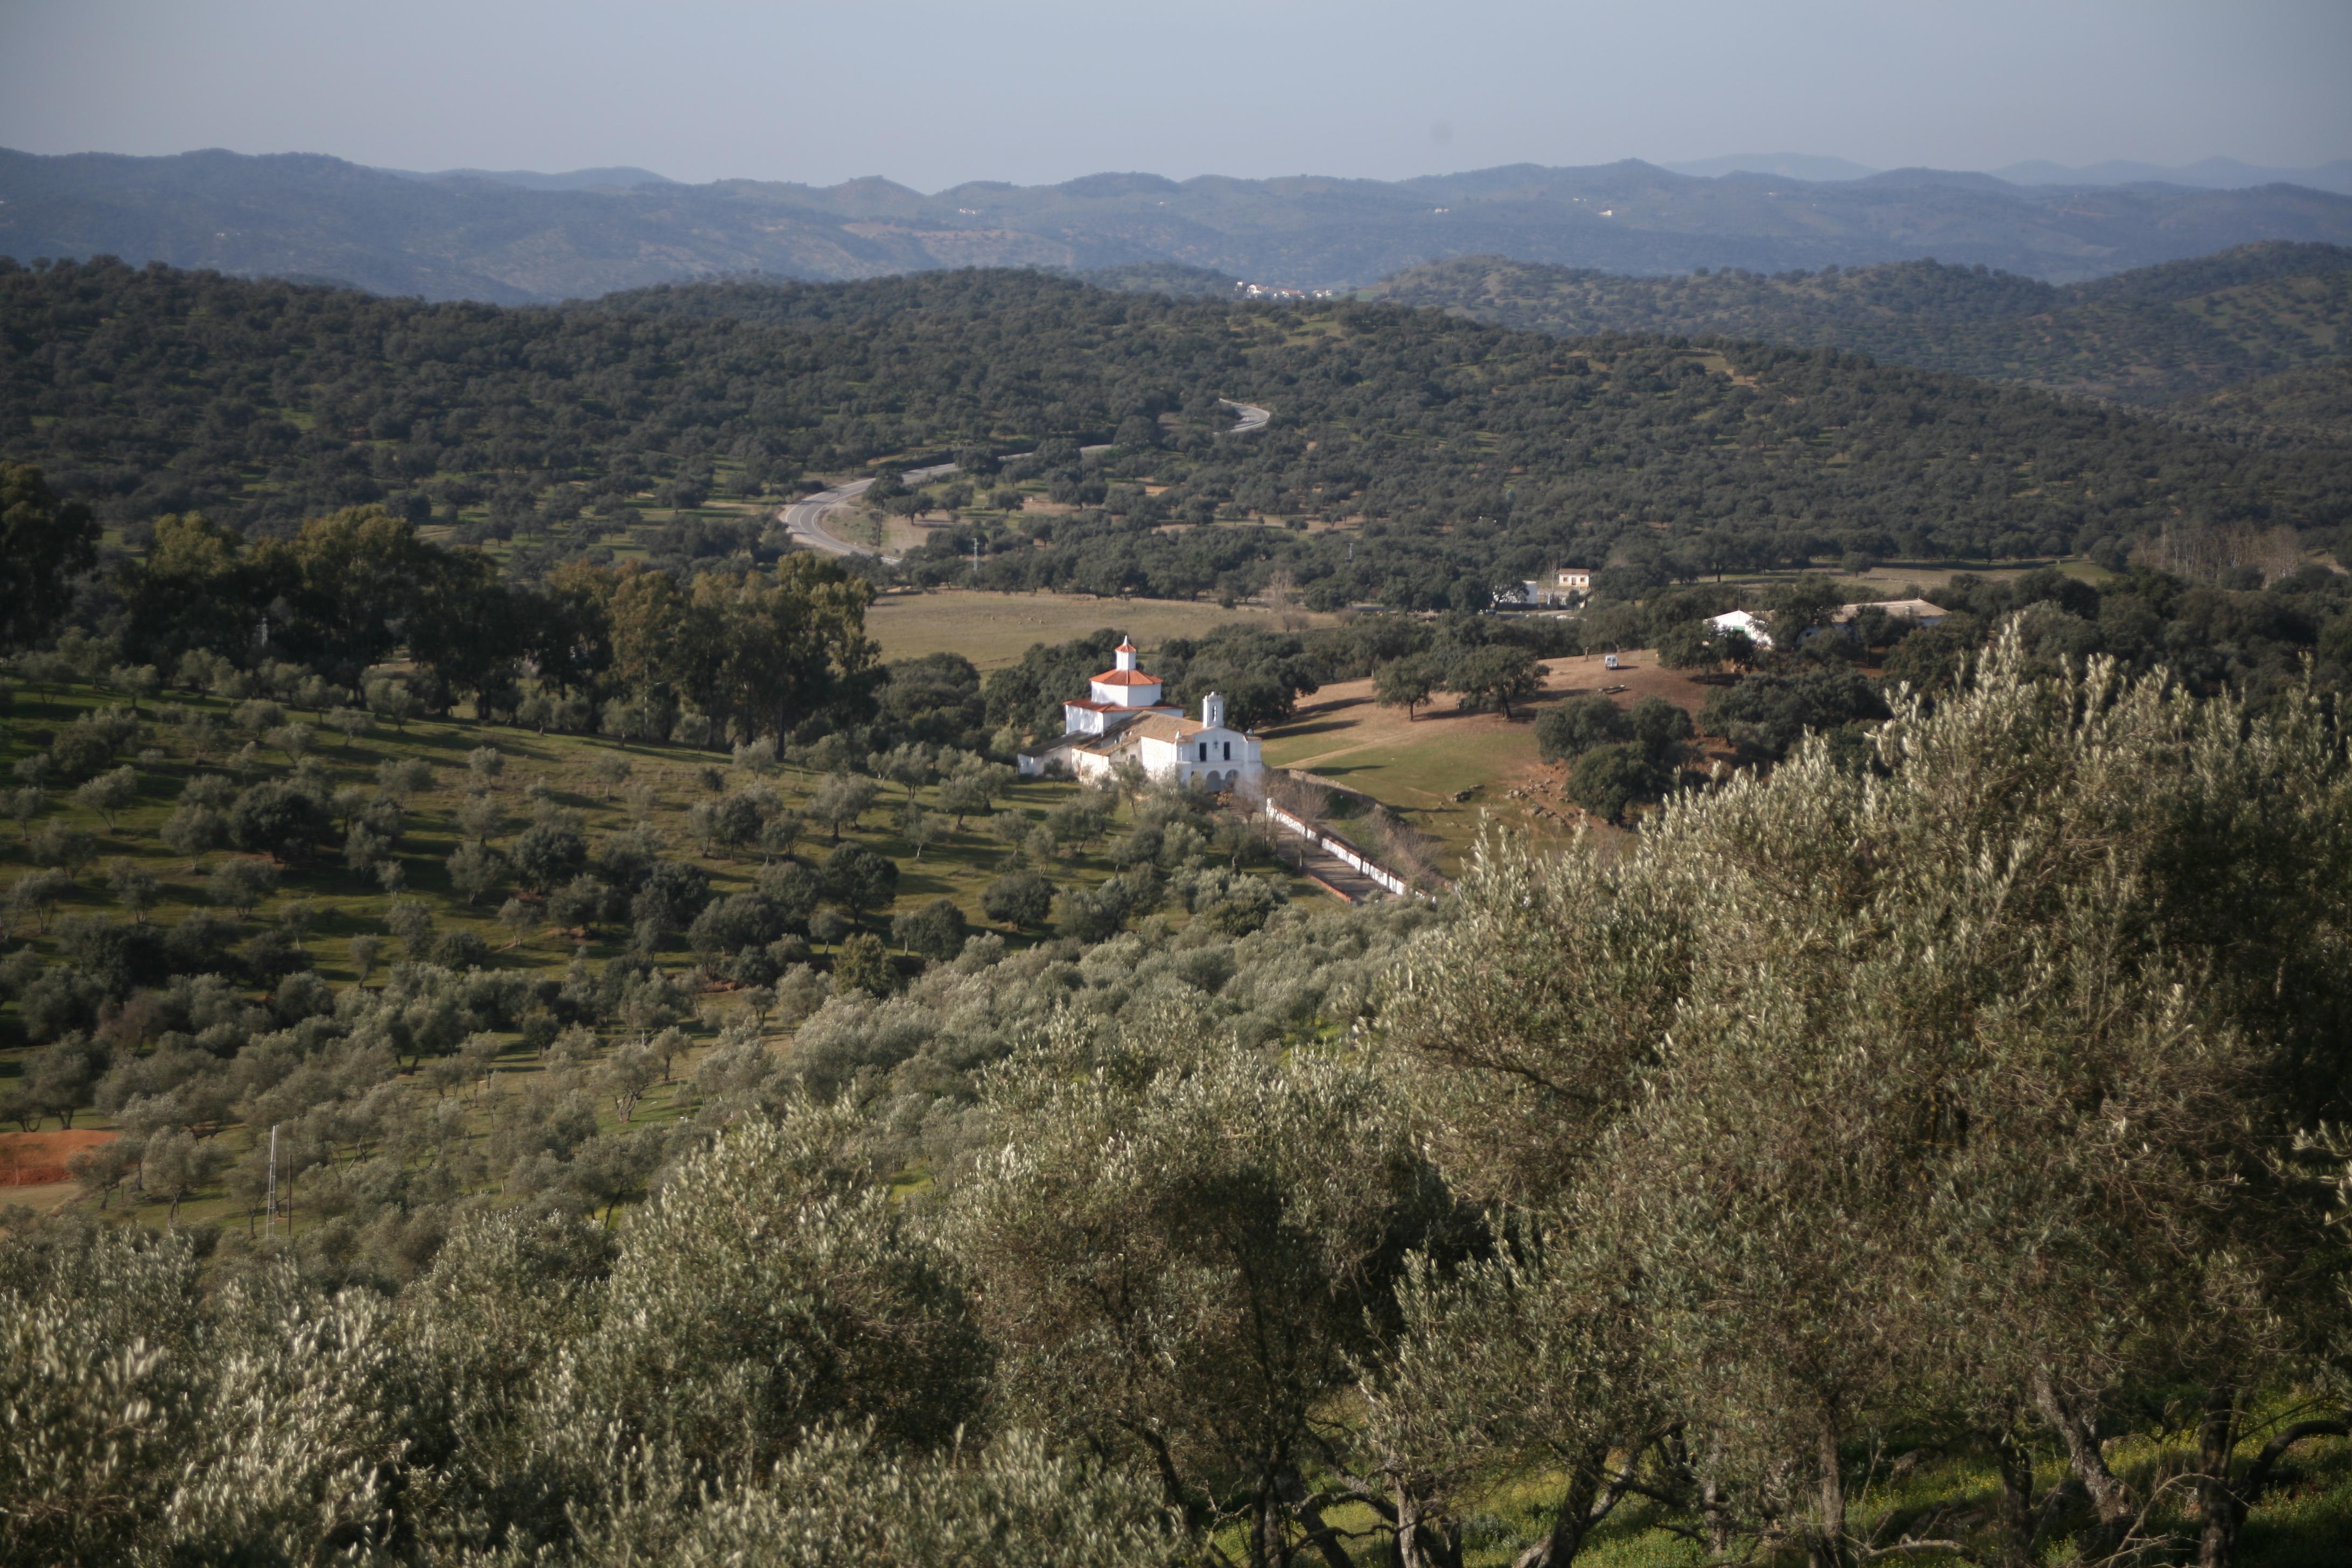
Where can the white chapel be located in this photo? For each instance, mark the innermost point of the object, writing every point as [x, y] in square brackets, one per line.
[1121, 718]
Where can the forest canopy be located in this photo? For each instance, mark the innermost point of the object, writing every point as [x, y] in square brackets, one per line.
[1451, 457]
[2148, 336]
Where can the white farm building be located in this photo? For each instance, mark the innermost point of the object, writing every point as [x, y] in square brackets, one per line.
[1742, 621]
[1918, 612]
[1122, 720]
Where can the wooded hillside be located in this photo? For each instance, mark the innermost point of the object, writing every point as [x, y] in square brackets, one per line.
[2151, 335]
[1451, 457]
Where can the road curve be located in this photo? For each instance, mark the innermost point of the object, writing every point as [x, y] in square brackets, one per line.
[804, 519]
[1252, 417]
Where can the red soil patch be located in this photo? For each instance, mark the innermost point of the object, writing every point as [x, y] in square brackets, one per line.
[37, 1159]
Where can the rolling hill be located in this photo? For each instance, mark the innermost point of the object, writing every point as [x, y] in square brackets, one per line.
[2314, 403]
[2206, 174]
[1413, 459]
[2182, 329]
[467, 236]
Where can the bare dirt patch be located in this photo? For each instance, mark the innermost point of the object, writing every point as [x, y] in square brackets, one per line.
[38, 1159]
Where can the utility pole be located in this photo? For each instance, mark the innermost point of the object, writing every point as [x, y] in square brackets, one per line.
[269, 1213]
[975, 560]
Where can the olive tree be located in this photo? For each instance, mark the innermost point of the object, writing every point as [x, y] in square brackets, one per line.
[151, 1420]
[109, 793]
[840, 1499]
[1948, 1094]
[770, 1287]
[1179, 1247]
[241, 884]
[842, 797]
[194, 829]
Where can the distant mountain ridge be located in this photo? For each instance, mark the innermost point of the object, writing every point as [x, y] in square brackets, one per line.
[2182, 329]
[1786, 165]
[2206, 174]
[531, 180]
[469, 235]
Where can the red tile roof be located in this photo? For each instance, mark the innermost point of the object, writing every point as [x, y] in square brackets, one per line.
[1091, 706]
[1127, 677]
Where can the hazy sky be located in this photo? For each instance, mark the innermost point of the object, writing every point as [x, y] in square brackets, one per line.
[931, 94]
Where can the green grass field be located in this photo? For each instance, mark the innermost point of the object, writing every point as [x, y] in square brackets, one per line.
[993, 629]
[1451, 774]
[1420, 774]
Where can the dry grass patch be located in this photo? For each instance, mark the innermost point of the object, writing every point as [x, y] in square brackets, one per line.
[1447, 772]
[995, 629]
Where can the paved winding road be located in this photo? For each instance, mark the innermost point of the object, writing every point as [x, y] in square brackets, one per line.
[804, 519]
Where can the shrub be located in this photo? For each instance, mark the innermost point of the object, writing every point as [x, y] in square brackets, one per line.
[581, 902]
[1579, 725]
[858, 878]
[460, 948]
[1769, 713]
[59, 1001]
[275, 818]
[937, 929]
[80, 751]
[1019, 899]
[547, 855]
[729, 925]
[240, 884]
[1607, 781]
[672, 895]
[864, 964]
[1662, 729]
[793, 889]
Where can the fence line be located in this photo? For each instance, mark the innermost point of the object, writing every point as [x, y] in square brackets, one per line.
[1339, 849]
